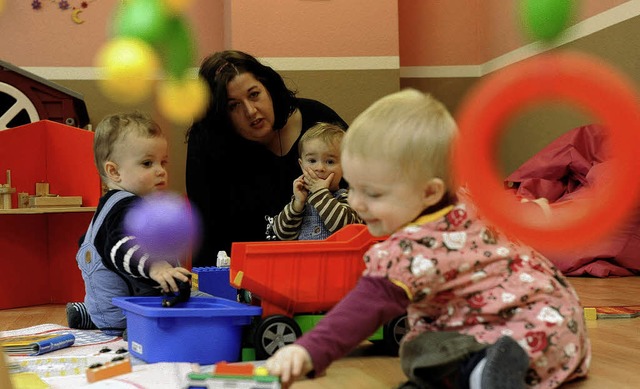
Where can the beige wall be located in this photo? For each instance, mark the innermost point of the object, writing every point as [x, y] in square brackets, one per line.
[606, 30]
[323, 34]
[344, 53]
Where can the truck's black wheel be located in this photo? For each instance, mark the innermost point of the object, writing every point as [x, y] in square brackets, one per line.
[273, 333]
[393, 332]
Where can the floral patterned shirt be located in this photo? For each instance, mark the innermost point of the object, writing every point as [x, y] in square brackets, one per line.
[463, 275]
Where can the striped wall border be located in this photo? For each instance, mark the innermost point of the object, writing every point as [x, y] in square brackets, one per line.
[582, 29]
[278, 63]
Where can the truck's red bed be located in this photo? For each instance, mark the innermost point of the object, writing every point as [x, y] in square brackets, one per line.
[301, 276]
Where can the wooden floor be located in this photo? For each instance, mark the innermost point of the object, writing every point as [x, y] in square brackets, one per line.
[615, 342]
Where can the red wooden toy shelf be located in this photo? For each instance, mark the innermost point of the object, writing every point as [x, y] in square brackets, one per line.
[38, 246]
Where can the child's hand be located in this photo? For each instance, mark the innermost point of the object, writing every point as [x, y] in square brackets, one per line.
[166, 274]
[289, 363]
[300, 194]
[313, 183]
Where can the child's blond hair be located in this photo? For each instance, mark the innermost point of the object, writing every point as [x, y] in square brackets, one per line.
[327, 132]
[410, 130]
[113, 128]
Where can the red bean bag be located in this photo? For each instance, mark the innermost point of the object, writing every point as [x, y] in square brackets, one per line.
[562, 171]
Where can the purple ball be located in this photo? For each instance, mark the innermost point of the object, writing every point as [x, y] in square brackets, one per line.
[164, 224]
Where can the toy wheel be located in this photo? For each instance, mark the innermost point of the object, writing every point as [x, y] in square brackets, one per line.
[245, 296]
[15, 108]
[393, 332]
[273, 333]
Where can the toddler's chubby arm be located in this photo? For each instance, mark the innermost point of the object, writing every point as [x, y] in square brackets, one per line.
[300, 194]
[290, 363]
[166, 274]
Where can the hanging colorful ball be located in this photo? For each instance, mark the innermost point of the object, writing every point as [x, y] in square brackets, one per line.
[545, 19]
[177, 48]
[165, 38]
[176, 6]
[568, 77]
[129, 68]
[183, 100]
[141, 19]
[165, 225]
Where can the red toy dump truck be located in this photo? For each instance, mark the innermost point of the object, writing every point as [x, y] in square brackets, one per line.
[296, 282]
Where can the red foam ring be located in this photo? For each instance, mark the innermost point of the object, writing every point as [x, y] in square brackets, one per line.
[565, 77]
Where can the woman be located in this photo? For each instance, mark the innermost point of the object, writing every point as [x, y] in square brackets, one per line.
[242, 156]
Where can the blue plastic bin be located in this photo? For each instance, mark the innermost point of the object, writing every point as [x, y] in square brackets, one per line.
[203, 330]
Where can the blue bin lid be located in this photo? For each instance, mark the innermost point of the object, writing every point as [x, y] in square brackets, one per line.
[195, 307]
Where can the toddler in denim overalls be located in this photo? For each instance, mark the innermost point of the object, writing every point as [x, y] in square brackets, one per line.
[131, 153]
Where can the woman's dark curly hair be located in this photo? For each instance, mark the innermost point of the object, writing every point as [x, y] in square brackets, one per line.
[220, 68]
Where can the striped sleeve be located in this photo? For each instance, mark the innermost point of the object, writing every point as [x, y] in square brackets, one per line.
[121, 249]
[286, 225]
[335, 212]
[127, 256]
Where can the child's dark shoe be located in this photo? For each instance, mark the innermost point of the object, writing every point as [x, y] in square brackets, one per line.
[506, 365]
[78, 317]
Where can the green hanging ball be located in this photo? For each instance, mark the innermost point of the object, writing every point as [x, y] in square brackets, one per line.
[177, 48]
[141, 19]
[545, 19]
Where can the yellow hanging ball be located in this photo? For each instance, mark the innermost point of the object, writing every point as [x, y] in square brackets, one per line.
[183, 101]
[129, 67]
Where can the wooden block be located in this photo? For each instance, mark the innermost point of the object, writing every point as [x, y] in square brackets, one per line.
[590, 314]
[23, 200]
[108, 370]
[60, 201]
[42, 188]
[5, 200]
[4, 189]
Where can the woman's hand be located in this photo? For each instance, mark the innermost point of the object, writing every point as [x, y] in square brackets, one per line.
[289, 363]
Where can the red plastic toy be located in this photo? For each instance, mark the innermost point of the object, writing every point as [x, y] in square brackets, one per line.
[295, 278]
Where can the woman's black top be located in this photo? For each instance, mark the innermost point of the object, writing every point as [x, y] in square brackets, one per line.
[235, 183]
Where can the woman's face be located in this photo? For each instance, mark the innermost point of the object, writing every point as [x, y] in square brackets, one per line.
[250, 108]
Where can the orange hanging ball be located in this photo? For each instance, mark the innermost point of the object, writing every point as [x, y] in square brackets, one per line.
[129, 68]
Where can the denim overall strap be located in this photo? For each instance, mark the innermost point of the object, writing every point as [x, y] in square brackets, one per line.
[97, 222]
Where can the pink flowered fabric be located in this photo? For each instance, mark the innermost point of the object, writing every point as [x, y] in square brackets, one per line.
[462, 275]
